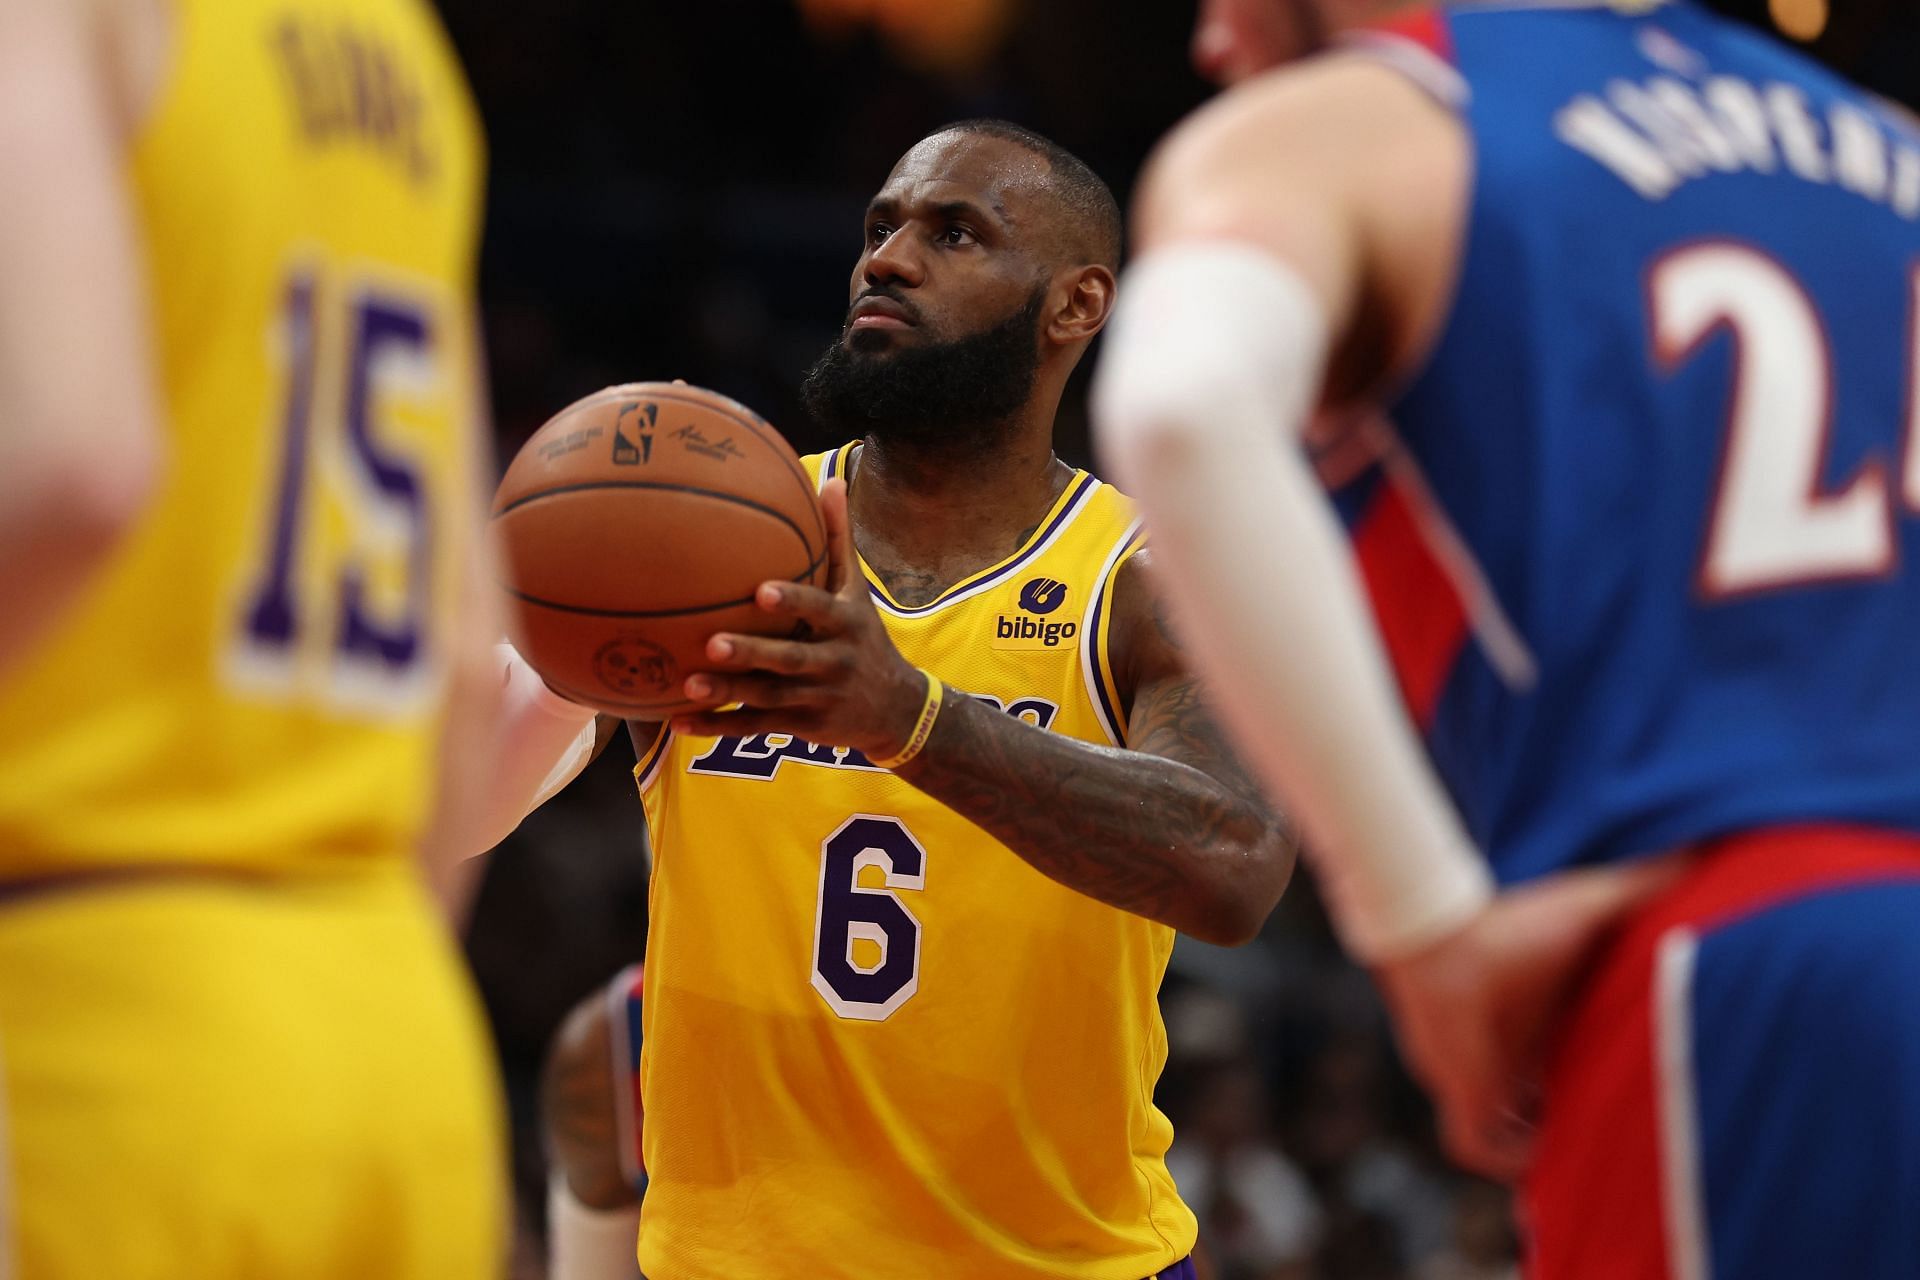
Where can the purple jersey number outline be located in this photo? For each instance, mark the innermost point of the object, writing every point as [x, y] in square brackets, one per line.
[382, 327]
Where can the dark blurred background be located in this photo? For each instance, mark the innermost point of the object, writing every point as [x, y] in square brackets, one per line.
[676, 192]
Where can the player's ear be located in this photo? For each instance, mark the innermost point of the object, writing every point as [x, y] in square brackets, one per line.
[1086, 300]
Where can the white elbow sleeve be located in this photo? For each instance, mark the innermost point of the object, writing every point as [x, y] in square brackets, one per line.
[1215, 360]
[1212, 342]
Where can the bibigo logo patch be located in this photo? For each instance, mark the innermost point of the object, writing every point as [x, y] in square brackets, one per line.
[1034, 618]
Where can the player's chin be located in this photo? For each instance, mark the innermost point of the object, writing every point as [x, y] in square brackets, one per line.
[879, 341]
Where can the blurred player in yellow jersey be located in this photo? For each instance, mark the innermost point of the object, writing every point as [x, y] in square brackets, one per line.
[238, 455]
[912, 901]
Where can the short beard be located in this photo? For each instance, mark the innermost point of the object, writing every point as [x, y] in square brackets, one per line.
[949, 397]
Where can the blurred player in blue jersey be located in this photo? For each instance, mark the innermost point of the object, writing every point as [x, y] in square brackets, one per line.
[1600, 322]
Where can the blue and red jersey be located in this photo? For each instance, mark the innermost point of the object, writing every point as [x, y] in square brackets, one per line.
[1645, 543]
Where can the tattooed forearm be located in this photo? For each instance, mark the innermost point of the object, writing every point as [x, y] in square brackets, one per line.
[1135, 829]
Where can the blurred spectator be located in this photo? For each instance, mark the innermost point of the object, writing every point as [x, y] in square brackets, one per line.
[1344, 1116]
[1483, 1244]
[1257, 1214]
[1359, 1246]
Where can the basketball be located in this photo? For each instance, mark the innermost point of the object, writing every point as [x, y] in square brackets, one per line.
[637, 523]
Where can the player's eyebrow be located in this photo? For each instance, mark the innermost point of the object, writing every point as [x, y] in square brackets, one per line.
[951, 210]
[968, 211]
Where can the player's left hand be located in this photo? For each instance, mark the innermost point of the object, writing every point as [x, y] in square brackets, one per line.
[1475, 1011]
[842, 683]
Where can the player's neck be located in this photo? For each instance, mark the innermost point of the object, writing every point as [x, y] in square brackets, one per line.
[928, 517]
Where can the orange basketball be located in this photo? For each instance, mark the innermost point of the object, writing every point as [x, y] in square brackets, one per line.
[638, 522]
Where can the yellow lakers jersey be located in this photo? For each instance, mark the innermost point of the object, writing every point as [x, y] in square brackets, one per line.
[256, 679]
[877, 1043]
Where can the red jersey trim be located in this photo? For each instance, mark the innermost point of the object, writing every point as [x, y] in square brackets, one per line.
[1425, 27]
[1421, 616]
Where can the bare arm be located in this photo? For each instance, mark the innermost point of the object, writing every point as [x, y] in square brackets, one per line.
[1170, 828]
[472, 723]
[509, 743]
[80, 439]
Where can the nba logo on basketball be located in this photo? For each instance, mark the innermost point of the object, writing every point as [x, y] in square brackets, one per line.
[1026, 626]
[642, 417]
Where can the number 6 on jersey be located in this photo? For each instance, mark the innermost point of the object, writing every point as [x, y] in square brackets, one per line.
[849, 913]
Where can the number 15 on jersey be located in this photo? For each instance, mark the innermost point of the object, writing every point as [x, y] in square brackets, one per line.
[340, 593]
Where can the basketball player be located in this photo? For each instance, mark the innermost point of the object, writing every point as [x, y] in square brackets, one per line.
[238, 445]
[1619, 300]
[883, 1033]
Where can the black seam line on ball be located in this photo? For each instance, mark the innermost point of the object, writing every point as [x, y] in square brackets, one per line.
[725, 406]
[770, 436]
[661, 486]
[650, 613]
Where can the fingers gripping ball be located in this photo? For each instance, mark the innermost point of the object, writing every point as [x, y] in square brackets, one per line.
[638, 522]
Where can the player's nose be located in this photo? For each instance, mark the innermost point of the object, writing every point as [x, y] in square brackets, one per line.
[896, 260]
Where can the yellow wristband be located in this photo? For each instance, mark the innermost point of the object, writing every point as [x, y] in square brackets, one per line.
[922, 728]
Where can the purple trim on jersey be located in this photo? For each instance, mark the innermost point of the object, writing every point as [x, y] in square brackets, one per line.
[1079, 488]
[649, 764]
[1182, 1270]
[1109, 714]
[1085, 483]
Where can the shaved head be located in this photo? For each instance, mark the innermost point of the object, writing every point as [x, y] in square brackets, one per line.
[1084, 217]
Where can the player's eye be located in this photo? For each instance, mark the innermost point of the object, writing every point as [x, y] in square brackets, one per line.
[877, 233]
[957, 236]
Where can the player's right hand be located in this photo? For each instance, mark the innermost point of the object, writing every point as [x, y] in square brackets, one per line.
[841, 681]
[1475, 1012]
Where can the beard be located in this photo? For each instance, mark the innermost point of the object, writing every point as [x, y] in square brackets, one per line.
[960, 395]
